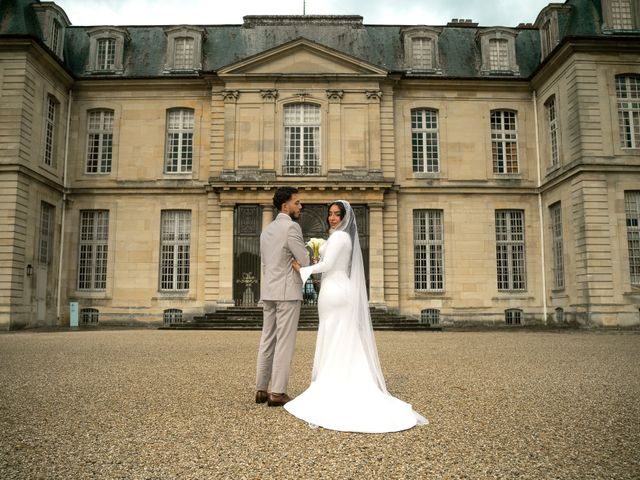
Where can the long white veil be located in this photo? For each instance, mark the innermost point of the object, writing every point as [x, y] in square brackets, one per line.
[358, 282]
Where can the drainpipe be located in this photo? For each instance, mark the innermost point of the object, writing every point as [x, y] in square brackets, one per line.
[64, 204]
[540, 212]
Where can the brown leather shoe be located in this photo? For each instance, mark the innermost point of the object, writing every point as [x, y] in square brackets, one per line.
[261, 396]
[277, 399]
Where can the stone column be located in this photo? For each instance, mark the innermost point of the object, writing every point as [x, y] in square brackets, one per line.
[374, 155]
[269, 133]
[226, 256]
[230, 99]
[376, 256]
[334, 130]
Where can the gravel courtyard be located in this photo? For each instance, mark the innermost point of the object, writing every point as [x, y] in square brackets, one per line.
[149, 404]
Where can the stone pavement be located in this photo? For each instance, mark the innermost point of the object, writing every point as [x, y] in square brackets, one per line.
[149, 404]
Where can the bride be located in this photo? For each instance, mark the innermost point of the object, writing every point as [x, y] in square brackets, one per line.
[347, 390]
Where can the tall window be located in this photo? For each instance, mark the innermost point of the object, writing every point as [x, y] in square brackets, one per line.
[552, 125]
[499, 54]
[510, 250]
[56, 33]
[632, 210]
[175, 245]
[46, 233]
[301, 139]
[106, 56]
[628, 97]
[556, 237]
[92, 258]
[183, 53]
[421, 53]
[504, 141]
[50, 131]
[428, 248]
[424, 140]
[180, 126]
[99, 141]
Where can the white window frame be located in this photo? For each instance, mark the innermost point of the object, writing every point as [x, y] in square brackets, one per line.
[172, 315]
[487, 38]
[116, 38]
[513, 316]
[50, 131]
[511, 255]
[628, 104]
[93, 250]
[301, 147]
[557, 245]
[174, 63]
[632, 215]
[175, 250]
[430, 316]
[99, 156]
[428, 250]
[553, 132]
[504, 142]
[180, 131]
[425, 140]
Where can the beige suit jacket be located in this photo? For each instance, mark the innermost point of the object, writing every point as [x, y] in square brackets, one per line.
[280, 242]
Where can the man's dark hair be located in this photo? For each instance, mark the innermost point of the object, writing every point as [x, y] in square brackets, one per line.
[283, 195]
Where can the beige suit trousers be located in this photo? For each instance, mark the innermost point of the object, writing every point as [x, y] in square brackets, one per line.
[277, 344]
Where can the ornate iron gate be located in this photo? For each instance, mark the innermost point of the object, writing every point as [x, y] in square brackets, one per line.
[246, 255]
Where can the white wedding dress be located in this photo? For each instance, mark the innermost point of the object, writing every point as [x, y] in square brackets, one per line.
[345, 393]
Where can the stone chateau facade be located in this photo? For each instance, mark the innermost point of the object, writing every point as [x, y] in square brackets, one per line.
[495, 170]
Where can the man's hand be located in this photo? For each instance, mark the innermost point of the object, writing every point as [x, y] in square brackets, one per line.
[295, 265]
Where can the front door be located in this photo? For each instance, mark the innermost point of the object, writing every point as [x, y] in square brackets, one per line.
[247, 226]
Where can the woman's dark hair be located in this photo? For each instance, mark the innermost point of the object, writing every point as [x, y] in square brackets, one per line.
[283, 195]
[343, 211]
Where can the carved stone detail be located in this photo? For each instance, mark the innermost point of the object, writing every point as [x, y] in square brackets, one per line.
[335, 94]
[373, 94]
[269, 94]
[230, 95]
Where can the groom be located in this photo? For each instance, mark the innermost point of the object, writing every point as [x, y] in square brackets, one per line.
[281, 295]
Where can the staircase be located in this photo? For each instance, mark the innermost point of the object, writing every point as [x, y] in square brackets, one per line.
[237, 318]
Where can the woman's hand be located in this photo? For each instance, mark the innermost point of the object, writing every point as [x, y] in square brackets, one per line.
[295, 265]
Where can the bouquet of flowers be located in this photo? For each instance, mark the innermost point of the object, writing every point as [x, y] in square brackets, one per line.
[314, 244]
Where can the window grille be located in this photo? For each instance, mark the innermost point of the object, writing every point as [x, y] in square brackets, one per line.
[50, 130]
[552, 125]
[301, 139]
[428, 245]
[175, 239]
[106, 58]
[180, 127]
[430, 316]
[621, 14]
[172, 315]
[510, 250]
[556, 236]
[421, 53]
[99, 141]
[89, 316]
[46, 233]
[424, 140]
[504, 141]
[498, 54]
[632, 211]
[559, 315]
[628, 97]
[513, 317]
[183, 53]
[92, 257]
[56, 31]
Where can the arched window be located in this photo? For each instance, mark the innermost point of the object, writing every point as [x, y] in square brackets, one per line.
[430, 316]
[172, 315]
[89, 316]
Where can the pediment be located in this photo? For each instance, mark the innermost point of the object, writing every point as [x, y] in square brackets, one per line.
[302, 57]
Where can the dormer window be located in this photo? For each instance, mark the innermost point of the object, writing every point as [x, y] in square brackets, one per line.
[421, 50]
[547, 24]
[498, 52]
[53, 22]
[621, 14]
[106, 50]
[184, 49]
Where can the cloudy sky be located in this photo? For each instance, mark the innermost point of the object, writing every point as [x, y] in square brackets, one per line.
[507, 13]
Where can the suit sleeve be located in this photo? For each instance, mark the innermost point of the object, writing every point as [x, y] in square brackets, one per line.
[296, 244]
[339, 241]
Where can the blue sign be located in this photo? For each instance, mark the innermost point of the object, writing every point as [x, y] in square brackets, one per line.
[73, 310]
